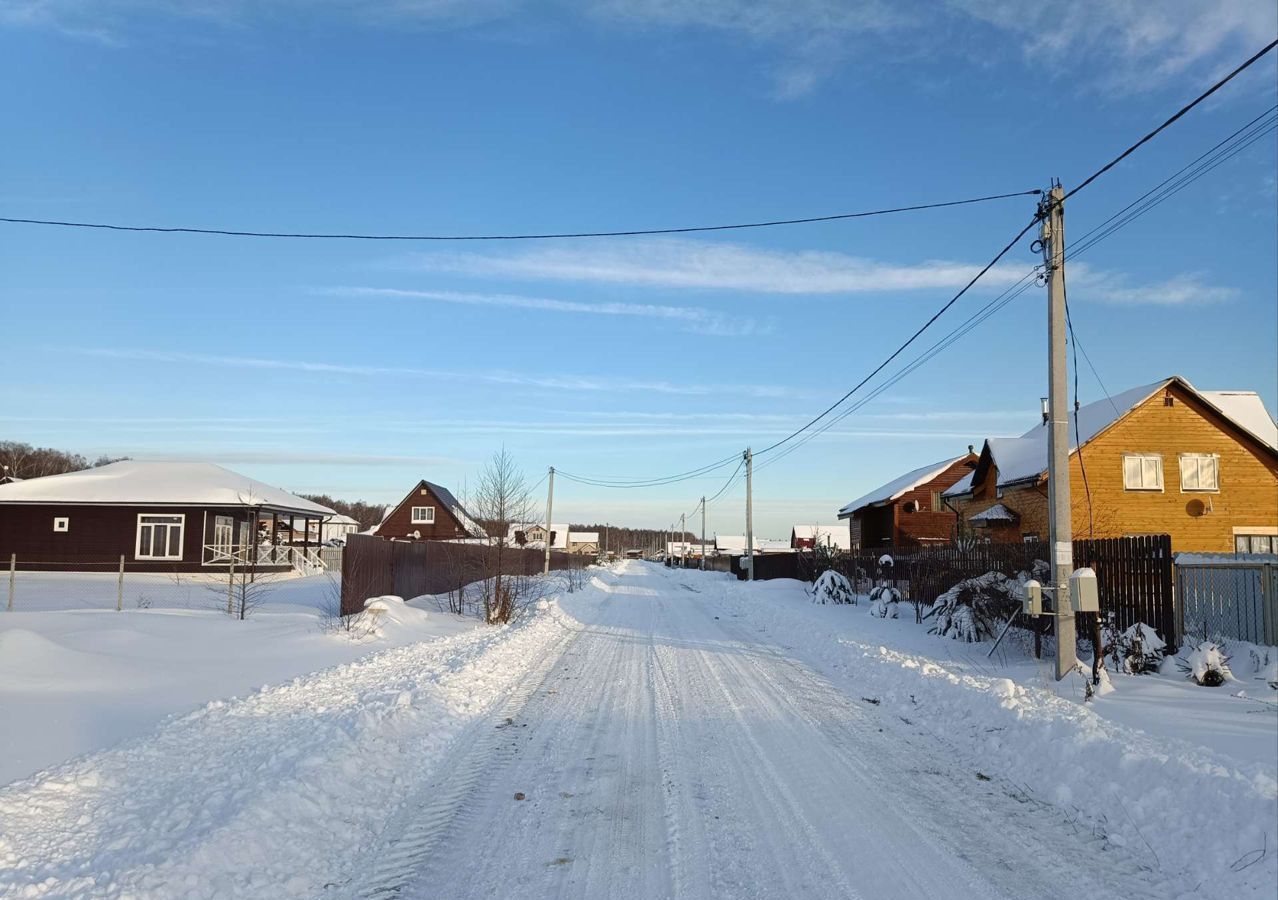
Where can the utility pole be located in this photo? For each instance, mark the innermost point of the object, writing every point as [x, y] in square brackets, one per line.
[550, 502]
[683, 536]
[749, 464]
[1061, 538]
[703, 534]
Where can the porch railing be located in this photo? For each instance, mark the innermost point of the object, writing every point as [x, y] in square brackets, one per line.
[306, 560]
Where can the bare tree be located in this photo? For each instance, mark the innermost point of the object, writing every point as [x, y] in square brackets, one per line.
[502, 498]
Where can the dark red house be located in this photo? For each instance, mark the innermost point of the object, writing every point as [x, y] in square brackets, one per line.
[909, 510]
[158, 516]
[428, 513]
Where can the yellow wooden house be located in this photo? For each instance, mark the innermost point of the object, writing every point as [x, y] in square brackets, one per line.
[1164, 458]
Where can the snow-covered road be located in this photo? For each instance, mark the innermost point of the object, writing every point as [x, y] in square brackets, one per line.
[670, 754]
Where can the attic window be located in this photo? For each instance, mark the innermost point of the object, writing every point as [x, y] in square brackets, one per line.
[1168, 399]
[424, 515]
[1199, 472]
[1142, 471]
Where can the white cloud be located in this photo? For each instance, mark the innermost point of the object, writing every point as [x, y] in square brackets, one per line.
[1180, 290]
[684, 263]
[513, 379]
[690, 318]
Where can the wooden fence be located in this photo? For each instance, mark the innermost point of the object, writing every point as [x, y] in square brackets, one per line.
[1134, 574]
[374, 567]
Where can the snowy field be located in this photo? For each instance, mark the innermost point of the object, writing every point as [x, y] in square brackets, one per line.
[75, 675]
[657, 734]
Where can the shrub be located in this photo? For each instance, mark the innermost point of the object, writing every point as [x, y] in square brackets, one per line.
[1206, 664]
[833, 587]
[884, 601]
[1135, 651]
[975, 609]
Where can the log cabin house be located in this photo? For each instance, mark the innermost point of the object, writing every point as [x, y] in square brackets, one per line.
[429, 512]
[158, 516]
[1163, 458]
[907, 511]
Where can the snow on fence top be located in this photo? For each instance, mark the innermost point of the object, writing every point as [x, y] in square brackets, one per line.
[156, 483]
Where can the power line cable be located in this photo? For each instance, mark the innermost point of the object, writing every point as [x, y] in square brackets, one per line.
[510, 237]
[1172, 120]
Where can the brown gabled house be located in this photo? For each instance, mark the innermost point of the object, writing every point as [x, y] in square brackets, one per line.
[907, 511]
[429, 512]
[1163, 458]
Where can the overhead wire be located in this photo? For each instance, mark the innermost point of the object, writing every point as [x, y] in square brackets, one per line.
[632, 232]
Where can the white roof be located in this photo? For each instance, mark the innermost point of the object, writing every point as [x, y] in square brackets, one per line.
[996, 513]
[341, 519]
[835, 535]
[583, 537]
[560, 530]
[1025, 458]
[886, 493]
[136, 482]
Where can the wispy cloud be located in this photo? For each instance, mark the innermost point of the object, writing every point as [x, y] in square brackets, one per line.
[513, 379]
[689, 318]
[1181, 290]
[683, 263]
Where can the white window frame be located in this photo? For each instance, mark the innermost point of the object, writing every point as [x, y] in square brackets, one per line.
[1142, 487]
[1197, 458]
[61, 524]
[180, 525]
[428, 517]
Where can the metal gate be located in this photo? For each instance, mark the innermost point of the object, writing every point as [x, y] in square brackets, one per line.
[1229, 598]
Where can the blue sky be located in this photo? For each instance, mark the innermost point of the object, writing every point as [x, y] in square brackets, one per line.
[356, 368]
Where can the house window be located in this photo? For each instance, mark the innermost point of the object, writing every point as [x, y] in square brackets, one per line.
[1255, 543]
[423, 515]
[61, 523]
[1142, 471]
[160, 537]
[223, 536]
[1199, 472]
[936, 502]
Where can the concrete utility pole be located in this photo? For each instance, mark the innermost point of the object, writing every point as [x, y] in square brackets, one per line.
[550, 502]
[683, 536]
[1061, 537]
[703, 534]
[749, 464]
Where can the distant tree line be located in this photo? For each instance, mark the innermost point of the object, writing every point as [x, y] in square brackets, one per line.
[619, 539]
[21, 460]
[366, 514]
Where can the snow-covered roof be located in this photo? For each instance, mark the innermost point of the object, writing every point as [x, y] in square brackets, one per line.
[340, 519]
[996, 513]
[1025, 458]
[469, 525]
[560, 531]
[135, 482]
[886, 493]
[831, 535]
[583, 537]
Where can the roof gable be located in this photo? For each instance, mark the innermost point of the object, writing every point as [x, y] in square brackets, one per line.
[886, 493]
[446, 499]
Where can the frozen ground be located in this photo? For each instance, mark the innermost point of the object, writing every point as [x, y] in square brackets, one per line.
[76, 676]
[658, 734]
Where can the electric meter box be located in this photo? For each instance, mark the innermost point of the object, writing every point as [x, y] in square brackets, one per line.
[1083, 594]
[1033, 598]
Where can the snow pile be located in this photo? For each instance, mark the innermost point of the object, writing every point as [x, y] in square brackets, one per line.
[832, 587]
[1141, 792]
[243, 798]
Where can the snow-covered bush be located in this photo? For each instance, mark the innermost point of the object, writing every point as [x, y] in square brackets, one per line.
[976, 608]
[1135, 651]
[884, 602]
[1205, 664]
[832, 587]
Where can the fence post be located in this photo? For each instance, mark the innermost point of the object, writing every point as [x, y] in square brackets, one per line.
[13, 569]
[119, 589]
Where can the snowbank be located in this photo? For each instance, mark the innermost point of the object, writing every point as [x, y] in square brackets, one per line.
[1186, 809]
[318, 764]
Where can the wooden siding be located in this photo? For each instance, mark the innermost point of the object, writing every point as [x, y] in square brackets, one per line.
[400, 525]
[933, 522]
[97, 536]
[1248, 475]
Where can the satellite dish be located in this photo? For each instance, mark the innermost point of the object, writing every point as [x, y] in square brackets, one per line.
[1196, 508]
[416, 535]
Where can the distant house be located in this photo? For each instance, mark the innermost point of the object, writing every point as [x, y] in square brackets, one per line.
[1163, 458]
[429, 512]
[160, 516]
[689, 549]
[735, 545]
[583, 543]
[333, 528]
[908, 510]
[805, 537]
[534, 535]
